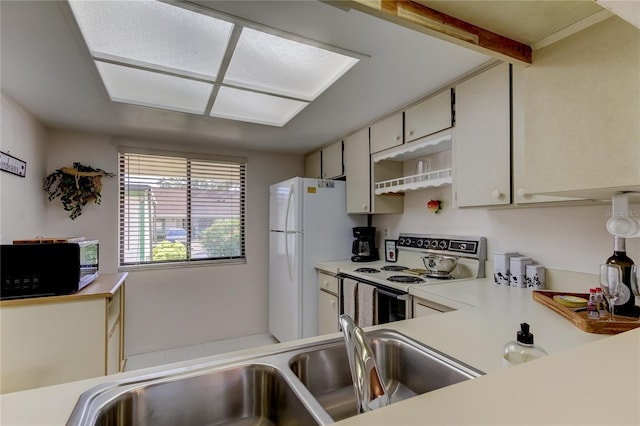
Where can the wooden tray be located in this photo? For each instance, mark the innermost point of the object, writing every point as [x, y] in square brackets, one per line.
[580, 319]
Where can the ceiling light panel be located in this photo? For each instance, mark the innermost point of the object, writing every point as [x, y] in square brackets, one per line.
[140, 87]
[154, 34]
[254, 107]
[285, 67]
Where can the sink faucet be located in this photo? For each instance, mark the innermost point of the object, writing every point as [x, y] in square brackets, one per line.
[370, 390]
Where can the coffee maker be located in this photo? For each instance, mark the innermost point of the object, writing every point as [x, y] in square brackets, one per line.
[364, 246]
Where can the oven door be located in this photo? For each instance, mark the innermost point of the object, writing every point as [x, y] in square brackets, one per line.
[389, 304]
[392, 305]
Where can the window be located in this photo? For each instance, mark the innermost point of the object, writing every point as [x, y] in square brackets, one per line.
[178, 209]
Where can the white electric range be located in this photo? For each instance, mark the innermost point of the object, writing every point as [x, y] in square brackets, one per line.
[390, 282]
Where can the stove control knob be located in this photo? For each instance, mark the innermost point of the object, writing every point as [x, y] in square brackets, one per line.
[419, 243]
[443, 244]
[434, 244]
[401, 241]
[427, 243]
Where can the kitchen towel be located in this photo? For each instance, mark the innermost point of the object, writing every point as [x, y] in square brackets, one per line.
[349, 297]
[366, 298]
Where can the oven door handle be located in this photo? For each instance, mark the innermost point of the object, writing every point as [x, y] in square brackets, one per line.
[403, 296]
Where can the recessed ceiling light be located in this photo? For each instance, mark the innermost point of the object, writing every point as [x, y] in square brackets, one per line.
[154, 34]
[169, 56]
[255, 107]
[281, 66]
[141, 87]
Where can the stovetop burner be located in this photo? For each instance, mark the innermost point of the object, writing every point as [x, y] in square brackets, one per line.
[394, 268]
[438, 276]
[367, 270]
[405, 279]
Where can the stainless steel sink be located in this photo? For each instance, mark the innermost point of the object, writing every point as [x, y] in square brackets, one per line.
[408, 368]
[301, 385]
[247, 394]
[252, 391]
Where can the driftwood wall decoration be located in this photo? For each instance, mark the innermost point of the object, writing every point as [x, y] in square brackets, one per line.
[76, 186]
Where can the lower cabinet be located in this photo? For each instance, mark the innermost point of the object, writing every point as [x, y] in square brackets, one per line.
[327, 304]
[58, 339]
[423, 307]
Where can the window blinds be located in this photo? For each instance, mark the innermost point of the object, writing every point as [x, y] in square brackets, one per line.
[180, 209]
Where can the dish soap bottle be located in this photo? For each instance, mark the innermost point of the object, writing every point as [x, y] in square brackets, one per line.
[522, 349]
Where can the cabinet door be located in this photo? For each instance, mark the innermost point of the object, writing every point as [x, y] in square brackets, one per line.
[357, 166]
[482, 139]
[520, 193]
[313, 165]
[386, 133]
[332, 161]
[582, 107]
[429, 116]
[328, 313]
[328, 283]
[423, 308]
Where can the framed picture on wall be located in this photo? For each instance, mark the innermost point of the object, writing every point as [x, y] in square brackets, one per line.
[13, 165]
[391, 250]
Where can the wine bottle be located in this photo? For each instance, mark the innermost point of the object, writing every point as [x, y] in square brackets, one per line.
[626, 304]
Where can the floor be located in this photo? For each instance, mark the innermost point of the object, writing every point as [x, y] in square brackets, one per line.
[136, 362]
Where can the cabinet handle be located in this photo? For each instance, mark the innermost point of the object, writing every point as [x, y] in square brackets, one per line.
[496, 194]
[521, 192]
[333, 303]
[397, 138]
[410, 132]
[364, 207]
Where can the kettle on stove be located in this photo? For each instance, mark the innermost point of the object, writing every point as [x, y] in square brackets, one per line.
[364, 246]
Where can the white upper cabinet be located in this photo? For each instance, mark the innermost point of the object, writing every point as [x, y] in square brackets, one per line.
[325, 164]
[357, 172]
[482, 139]
[332, 161]
[429, 116]
[313, 165]
[582, 109]
[519, 192]
[386, 133]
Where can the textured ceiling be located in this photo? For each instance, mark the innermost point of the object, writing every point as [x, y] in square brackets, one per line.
[47, 69]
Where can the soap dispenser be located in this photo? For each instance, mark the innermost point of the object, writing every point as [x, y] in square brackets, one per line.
[522, 349]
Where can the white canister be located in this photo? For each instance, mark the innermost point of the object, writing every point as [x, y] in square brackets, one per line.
[501, 266]
[535, 277]
[517, 270]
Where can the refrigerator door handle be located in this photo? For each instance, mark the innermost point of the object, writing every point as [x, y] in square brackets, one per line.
[286, 229]
[286, 216]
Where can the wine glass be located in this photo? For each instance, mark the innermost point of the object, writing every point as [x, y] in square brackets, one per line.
[611, 281]
[635, 280]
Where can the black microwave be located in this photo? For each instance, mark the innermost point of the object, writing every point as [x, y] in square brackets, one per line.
[47, 269]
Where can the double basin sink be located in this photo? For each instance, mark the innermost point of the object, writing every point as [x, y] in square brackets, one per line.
[303, 385]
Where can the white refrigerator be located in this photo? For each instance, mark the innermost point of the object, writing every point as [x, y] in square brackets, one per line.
[308, 223]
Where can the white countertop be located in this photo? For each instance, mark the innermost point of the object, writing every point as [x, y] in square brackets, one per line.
[553, 390]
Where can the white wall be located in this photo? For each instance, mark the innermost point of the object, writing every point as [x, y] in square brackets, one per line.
[183, 306]
[22, 200]
[570, 238]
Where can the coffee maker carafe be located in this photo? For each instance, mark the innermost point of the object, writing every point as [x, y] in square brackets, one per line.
[364, 246]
